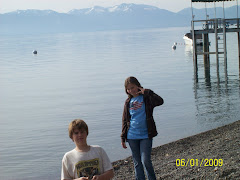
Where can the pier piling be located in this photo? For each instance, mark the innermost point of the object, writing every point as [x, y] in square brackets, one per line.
[220, 27]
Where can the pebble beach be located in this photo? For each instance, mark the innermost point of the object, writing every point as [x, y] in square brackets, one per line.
[213, 154]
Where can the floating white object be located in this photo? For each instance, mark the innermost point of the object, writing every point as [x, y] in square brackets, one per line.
[34, 52]
[188, 39]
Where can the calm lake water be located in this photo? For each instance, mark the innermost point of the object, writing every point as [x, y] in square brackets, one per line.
[81, 75]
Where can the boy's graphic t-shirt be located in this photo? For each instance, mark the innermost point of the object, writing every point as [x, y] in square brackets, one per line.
[138, 124]
[88, 168]
[85, 164]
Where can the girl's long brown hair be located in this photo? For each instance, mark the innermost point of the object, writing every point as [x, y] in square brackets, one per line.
[131, 80]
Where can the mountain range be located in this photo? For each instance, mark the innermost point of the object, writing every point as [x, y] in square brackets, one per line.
[119, 17]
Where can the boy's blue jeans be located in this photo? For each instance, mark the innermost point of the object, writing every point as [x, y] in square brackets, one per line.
[141, 153]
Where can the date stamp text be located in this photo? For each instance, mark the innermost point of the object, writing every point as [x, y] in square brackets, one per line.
[199, 162]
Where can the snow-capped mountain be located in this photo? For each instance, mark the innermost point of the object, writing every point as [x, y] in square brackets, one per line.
[123, 8]
[33, 12]
[120, 17]
[95, 9]
[131, 8]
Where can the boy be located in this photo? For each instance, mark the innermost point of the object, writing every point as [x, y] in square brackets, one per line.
[85, 162]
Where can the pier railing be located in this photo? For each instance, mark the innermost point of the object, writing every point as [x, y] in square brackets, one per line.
[209, 25]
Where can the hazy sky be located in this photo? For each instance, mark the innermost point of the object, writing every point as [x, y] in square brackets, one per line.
[67, 5]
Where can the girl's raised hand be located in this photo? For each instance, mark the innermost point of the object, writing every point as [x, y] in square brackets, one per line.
[141, 90]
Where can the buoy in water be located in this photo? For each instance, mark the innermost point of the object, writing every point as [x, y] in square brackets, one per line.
[34, 52]
[174, 47]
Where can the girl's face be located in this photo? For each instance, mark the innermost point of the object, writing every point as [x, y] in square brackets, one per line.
[133, 89]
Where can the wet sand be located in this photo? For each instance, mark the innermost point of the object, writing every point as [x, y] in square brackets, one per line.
[213, 154]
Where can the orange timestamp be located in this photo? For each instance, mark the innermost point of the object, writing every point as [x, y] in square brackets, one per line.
[199, 162]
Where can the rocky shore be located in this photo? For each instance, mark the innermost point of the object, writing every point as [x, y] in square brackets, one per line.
[214, 154]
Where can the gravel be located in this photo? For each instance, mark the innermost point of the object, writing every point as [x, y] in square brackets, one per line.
[213, 154]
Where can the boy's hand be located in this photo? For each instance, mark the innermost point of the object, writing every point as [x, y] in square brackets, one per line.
[105, 176]
[141, 90]
[82, 178]
[96, 177]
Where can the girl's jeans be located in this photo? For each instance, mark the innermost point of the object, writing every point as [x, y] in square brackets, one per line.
[141, 153]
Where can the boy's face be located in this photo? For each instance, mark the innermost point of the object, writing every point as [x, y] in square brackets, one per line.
[79, 136]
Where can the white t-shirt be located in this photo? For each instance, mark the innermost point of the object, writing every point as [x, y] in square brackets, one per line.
[77, 164]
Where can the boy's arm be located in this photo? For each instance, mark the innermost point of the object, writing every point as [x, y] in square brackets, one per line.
[105, 176]
[64, 173]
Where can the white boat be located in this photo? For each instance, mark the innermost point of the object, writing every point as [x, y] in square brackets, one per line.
[188, 39]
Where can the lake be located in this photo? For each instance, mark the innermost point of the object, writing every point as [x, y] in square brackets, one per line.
[81, 75]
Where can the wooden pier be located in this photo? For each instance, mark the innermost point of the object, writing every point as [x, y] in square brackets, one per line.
[219, 27]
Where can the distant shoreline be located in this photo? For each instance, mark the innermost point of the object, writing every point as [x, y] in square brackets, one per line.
[220, 146]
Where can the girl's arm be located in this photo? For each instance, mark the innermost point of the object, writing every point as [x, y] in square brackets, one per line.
[155, 99]
[124, 123]
[124, 145]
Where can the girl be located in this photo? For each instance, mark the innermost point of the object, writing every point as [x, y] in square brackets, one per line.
[138, 126]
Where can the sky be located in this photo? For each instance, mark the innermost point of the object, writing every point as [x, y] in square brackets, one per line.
[67, 5]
